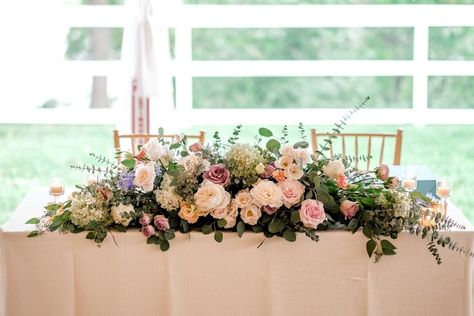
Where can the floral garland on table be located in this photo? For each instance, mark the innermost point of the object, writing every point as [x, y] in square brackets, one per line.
[276, 189]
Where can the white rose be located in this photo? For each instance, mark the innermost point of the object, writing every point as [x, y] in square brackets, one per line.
[118, 214]
[288, 151]
[145, 177]
[294, 172]
[211, 196]
[153, 149]
[267, 193]
[334, 168]
[303, 156]
[243, 198]
[192, 162]
[284, 162]
[250, 214]
[292, 192]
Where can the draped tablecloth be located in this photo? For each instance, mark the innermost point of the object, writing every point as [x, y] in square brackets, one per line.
[64, 274]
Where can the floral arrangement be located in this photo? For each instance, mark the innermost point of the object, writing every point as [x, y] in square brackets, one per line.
[277, 189]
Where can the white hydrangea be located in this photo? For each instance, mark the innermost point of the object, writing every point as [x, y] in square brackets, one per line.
[85, 208]
[166, 195]
[192, 162]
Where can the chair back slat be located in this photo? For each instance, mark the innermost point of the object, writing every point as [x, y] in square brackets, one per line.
[369, 152]
[343, 147]
[372, 143]
[382, 147]
[357, 151]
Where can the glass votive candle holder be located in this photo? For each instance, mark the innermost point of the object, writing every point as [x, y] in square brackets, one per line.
[409, 181]
[56, 188]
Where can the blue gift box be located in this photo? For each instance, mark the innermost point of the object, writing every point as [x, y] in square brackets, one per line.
[426, 179]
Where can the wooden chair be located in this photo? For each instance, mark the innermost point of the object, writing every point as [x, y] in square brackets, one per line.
[343, 136]
[140, 139]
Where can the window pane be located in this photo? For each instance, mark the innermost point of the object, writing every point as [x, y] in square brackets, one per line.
[303, 43]
[455, 43]
[301, 92]
[94, 43]
[451, 92]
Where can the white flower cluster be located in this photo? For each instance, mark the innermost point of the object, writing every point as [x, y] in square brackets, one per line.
[166, 195]
[292, 162]
[156, 151]
[243, 159]
[86, 208]
[194, 163]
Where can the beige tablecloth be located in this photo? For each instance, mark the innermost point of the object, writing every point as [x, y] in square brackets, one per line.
[68, 275]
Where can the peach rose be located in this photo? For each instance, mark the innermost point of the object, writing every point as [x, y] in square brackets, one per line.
[145, 177]
[288, 151]
[395, 182]
[267, 193]
[279, 175]
[292, 192]
[188, 212]
[312, 213]
[382, 172]
[211, 196]
[349, 209]
[342, 181]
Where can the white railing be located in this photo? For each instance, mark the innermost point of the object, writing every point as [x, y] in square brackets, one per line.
[184, 18]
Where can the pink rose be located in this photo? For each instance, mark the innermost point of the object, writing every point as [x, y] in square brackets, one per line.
[382, 172]
[267, 173]
[270, 210]
[312, 213]
[292, 191]
[145, 219]
[161, 222]
[148, 230]
[196, 147]
[342, 181]
[106, 193]
[217, 174]
[395, 182]
[349, 209]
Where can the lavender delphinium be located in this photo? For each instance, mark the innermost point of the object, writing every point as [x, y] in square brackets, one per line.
[126, 181]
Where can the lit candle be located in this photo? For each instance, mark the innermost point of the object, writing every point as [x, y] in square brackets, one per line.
[442, 192]
[409, 184]
[56, 189]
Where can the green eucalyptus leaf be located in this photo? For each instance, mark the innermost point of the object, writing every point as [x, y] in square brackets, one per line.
[353, 225]
[295, 217]
[289, 235]
[367, 231]
[221, 223]
[265, 132]
[169, 234]
[301, 144]
[206, 229]
[175, 146]
[218, 236]
[164, 245]
[90, 235]
[387, 247]
[33, 221]
[276, 226]
[240, 229]
[129, 163]
[273, 145]
[34, 233]
[370, 246]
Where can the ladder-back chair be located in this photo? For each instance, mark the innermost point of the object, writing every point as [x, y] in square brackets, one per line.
[140, 139]
[342, 137]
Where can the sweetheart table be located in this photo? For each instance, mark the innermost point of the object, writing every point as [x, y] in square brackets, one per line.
[69, 275]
